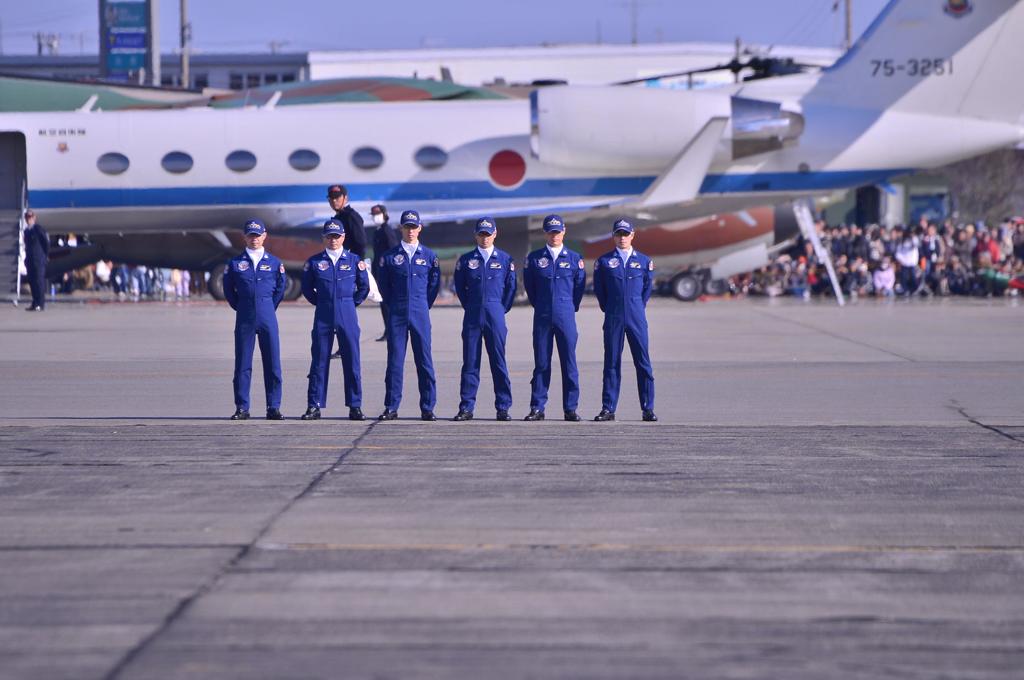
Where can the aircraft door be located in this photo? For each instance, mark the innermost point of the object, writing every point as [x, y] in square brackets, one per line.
[12, 204]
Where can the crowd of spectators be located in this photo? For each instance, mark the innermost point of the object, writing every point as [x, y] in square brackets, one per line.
[134, 282]
[921, 260]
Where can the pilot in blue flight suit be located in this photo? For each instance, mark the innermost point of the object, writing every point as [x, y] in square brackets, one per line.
[554, 278]
[254, 285]
[623, 281]
[409, 281]
[485, 281]
[335, 282]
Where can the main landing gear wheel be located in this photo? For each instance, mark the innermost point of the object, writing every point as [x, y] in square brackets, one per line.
[686, 287]
[216, 284]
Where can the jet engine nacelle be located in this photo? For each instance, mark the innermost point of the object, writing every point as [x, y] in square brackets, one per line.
[626, 129]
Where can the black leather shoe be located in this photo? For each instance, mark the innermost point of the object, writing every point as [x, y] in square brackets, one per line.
[604, 416]
[388, 415]
[534, 414]
[240, 414]
[312, 413]
[356, 413]
[383, 337]
[336, 355]
[33, 309]
[504, 416]
[572, 416]
[274, 414]
[428, 416]
[463, 415]
[649, 417]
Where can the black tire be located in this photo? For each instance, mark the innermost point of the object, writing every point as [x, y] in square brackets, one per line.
[716, 287]
[686, 287]
[216, 284]
[294, 289]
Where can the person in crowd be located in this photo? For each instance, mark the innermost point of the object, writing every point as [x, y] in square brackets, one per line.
[385, 237]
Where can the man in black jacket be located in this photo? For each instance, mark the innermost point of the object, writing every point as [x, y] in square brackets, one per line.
[355, 236]
[385, 237]
[37, 250]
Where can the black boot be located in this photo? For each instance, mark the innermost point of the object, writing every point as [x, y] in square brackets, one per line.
[534, 414]
[604, 416]
[312, 413]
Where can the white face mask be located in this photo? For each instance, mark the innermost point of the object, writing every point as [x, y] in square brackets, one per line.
[378, 219]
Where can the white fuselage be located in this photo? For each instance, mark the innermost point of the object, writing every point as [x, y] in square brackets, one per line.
[840, 147]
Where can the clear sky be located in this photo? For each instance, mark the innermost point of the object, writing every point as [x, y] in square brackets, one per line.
[252, 25]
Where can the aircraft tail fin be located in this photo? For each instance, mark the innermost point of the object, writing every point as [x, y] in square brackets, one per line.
[943, 57]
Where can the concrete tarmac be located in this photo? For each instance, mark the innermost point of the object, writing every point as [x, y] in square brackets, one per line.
[830, 493]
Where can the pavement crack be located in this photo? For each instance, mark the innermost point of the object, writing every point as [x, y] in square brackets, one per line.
[837, 336]
[185, 604]
[955, 405]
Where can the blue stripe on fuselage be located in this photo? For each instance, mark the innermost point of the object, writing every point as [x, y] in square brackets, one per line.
[411, 192]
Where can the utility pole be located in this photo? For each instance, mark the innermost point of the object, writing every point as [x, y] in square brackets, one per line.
[186, 42]
[153, 39]
[849, 24]
[634, 10]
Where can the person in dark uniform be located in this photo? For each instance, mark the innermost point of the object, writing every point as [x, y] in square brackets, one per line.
[37, 250]
[554, 278]
[352, 221]
[385, 237]
[254, 285]
[623, 281]
[335, 282]
[485, 282]
[410, 278]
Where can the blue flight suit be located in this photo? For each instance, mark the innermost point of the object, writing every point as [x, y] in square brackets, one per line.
[335, 291]
[254, 293]
[555, 289]
[409, 288]
[486, 291]
[622, 290]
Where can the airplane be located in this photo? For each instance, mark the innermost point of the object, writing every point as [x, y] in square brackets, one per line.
[929, 83]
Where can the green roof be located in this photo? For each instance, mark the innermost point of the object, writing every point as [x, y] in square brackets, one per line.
[27, 94]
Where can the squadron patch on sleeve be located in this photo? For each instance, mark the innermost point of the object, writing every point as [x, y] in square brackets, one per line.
[281, 269]
[362, 266]
[582, 265]
[436, 263]
[650, 265]
[512, 266]
[305, 267]
[458, 265]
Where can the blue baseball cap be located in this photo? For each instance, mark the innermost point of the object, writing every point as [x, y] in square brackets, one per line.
[485, 225]
[255, 228]
[333, 226]
[411, 217]
[554, 223]
[622, 225]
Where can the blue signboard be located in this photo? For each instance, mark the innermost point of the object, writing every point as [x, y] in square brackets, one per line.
[124, 37]
[133, 40]
[125, 61]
